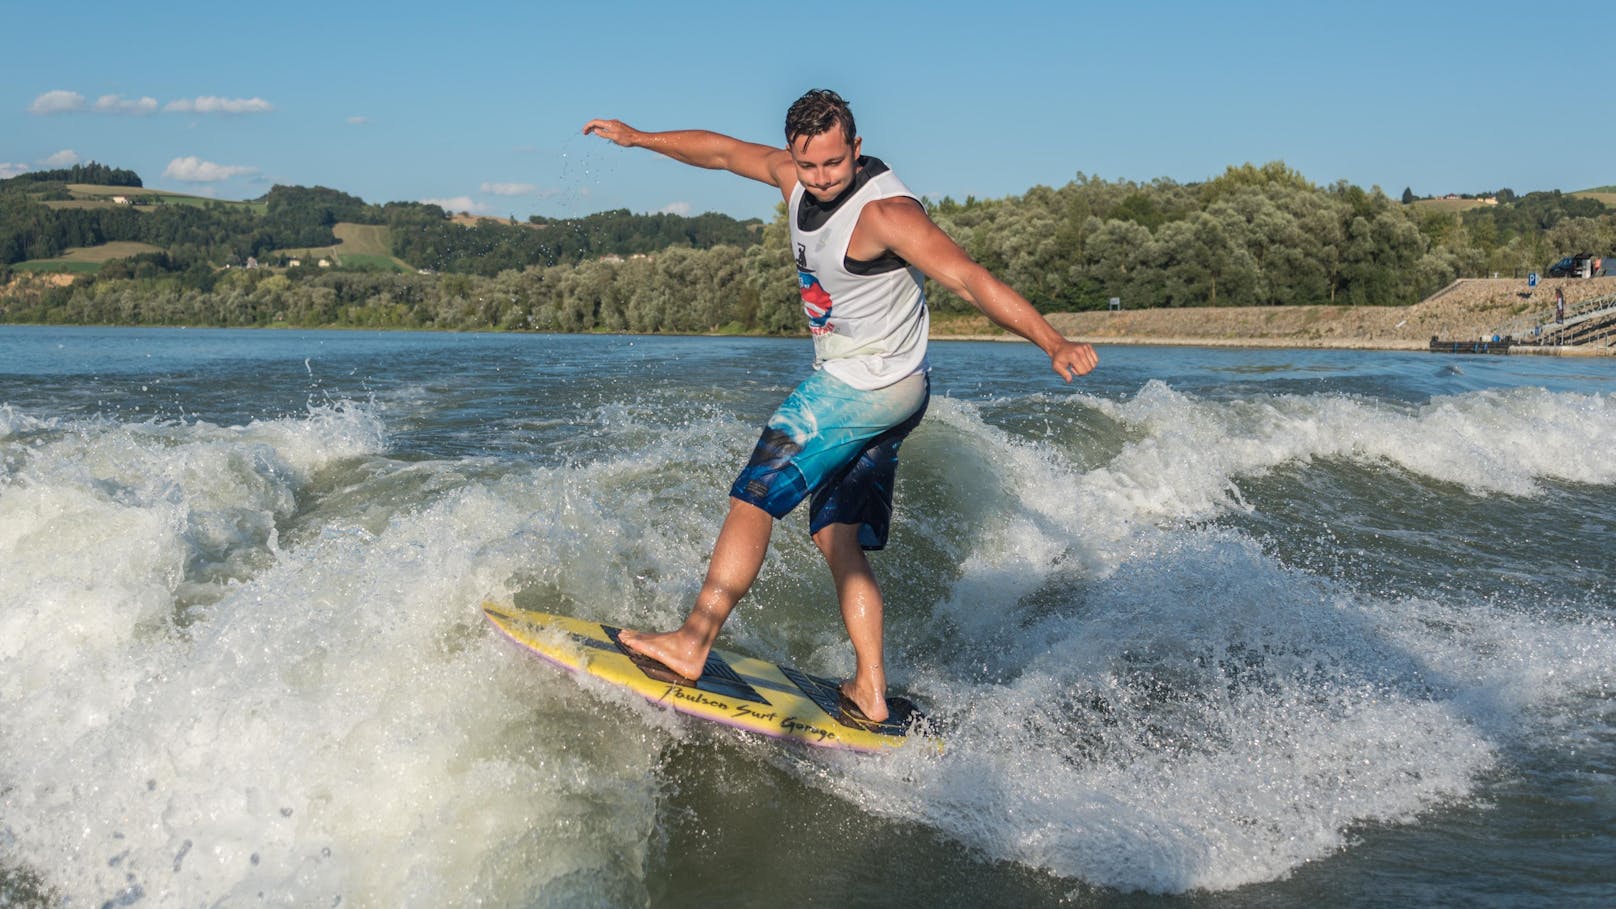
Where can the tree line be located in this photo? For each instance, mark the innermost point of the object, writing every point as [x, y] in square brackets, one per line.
[722, 289]
[94, 173]
[422, 236]
[210, 234]
[1258, 236]
[216, 234]
[1252, 236]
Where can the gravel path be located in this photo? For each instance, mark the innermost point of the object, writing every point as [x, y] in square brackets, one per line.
[1468, 308]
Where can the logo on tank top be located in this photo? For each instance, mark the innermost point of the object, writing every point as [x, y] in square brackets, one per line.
[816, 302]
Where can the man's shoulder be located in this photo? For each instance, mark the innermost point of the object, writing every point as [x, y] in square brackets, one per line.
[892, 210]
[783, 169]
[885, 224]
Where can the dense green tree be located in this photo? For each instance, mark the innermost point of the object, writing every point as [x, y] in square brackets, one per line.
[1580, 235]
[93, 172]
[1254, 235]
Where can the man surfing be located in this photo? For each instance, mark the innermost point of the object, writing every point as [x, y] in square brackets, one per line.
[863, 245]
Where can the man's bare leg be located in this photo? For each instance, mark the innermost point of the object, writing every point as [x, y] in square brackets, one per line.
[737, 558]
[860, 597]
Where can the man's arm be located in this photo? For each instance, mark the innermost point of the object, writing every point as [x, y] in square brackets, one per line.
[714, 151]
[902, 226]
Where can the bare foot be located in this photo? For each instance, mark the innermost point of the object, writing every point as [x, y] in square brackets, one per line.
[673, 649]
[872, 704]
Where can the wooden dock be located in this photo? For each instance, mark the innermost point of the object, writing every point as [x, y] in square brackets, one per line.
[1498, 346]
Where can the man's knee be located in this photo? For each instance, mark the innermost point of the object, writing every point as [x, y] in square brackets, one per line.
[835, 537]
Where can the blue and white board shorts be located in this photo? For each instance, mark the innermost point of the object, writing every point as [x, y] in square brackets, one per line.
[838, 444]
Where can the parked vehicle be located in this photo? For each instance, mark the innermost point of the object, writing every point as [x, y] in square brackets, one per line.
[1577, 266]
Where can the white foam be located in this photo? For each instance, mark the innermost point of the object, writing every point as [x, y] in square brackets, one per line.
[336, 720]
[1209, 719]
[1497, 441]
[240, 695]
[14, 422]
[1151, 704]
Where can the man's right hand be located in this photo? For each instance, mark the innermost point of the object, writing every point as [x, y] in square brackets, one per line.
[703, 148]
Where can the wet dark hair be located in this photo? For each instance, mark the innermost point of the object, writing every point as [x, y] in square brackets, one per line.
[816, 112]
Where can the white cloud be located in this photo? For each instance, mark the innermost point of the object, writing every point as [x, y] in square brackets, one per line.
[358, 121]
[118, 104]
[510, 189]
[459, 203]
[56, 102]
[192, 169]
[675, 208]
[67, 157]
[210, 104]
[9, 170]
[61, 101]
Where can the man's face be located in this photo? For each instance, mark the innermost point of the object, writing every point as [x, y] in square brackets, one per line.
[826, 162]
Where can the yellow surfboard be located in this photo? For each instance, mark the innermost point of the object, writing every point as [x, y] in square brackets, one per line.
[735, 690]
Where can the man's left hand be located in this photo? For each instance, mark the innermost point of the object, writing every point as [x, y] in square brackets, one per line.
[1071, 360]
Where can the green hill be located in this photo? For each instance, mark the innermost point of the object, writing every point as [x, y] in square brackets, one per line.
[88, 209]
[88, 259]
[90, 195]
[357, 246]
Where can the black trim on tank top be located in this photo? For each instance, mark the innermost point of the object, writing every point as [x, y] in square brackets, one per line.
[812, 213]
[880, 265]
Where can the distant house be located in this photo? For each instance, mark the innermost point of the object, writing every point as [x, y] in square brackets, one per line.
[294, 263]
[252, 262]
[325, 263]
[122, 200]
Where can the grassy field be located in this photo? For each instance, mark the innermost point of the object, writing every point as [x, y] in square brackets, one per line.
[364, 239]
[76, 203]
[362, 245]
[89, 195]
[1447, 205]
[358, 246]
[57, 266]
[365, 260]
[1605, 194]
[87, 259]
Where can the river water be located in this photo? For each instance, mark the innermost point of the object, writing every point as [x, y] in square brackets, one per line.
[1210, 628]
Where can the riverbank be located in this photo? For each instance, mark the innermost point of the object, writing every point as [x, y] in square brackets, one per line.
[1468, 308]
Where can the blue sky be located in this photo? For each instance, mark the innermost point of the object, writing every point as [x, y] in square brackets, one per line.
[478, 105]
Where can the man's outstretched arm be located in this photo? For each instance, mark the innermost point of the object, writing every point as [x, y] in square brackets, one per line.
[702, 148]
[902, 226]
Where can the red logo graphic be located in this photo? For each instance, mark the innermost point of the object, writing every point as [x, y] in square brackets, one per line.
[816, 303]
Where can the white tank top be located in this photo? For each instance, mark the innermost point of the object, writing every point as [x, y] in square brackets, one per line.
[868, 319]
